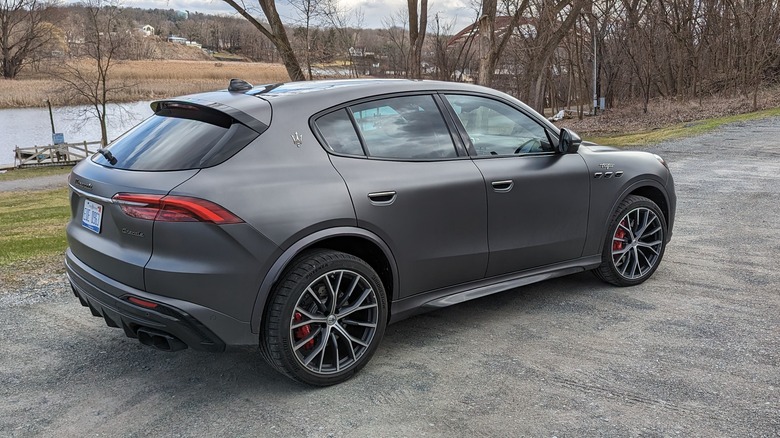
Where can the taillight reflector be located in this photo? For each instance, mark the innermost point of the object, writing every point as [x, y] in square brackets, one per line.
[142, 303]
[174, 209]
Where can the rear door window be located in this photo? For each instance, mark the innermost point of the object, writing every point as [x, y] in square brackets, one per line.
[405, 128]
[409, 127]
[179, 137]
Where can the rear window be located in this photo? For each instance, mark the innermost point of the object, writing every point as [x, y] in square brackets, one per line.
[179, 137]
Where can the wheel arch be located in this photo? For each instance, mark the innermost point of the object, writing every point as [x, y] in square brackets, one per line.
[356, 241]
[656, 195]
[648, 188]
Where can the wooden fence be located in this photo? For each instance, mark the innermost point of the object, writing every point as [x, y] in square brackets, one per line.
[60, 154]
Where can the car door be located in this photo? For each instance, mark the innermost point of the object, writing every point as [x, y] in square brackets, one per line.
[537, 198]
[411, 186]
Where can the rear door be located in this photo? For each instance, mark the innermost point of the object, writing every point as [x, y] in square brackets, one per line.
[411, 186]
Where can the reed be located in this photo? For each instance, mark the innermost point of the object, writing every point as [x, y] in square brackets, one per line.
[144, 80]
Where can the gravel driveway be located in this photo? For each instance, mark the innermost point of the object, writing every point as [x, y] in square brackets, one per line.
[694, 351]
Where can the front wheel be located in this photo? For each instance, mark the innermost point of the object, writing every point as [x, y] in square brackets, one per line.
[325, 318]
[635, 242]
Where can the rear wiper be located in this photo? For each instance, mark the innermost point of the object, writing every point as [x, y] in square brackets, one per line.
[108, 155]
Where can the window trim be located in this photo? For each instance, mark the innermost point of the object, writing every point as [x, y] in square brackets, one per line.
[460, 150]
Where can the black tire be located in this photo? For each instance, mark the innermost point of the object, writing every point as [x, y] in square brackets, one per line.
[307, 333]
[634, 244]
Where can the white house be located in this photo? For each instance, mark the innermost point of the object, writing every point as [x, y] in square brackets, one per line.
[147, 30]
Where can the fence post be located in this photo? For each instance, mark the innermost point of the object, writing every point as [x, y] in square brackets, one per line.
[37, 157]
[86, 151]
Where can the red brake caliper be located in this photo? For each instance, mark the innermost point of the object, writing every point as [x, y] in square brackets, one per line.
[302, 332]
[619, 234]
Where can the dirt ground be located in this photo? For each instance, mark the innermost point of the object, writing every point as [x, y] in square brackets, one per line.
[694, 351]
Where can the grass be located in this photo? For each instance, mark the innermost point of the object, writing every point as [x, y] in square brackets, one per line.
[32, 227]
[32, 235]
[643, 138]
[17, 174]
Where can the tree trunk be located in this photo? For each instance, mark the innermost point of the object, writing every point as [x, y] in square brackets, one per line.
[277, 35]
[418, 24]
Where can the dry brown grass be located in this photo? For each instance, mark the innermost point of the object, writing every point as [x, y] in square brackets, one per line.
[149, 79]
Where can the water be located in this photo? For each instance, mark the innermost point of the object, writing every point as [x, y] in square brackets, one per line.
[26, 127]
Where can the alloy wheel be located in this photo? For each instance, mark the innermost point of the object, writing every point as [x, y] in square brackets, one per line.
[637, 243]
[334, 322]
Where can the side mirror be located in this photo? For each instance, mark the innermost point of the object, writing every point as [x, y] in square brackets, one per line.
[568, 142]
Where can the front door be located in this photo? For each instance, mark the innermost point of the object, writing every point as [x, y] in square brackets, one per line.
[537, 198]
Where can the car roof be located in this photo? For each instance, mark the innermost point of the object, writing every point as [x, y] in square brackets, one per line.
[320, 95]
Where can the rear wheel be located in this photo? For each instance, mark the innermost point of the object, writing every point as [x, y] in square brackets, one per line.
[634, 244]
[325, 318]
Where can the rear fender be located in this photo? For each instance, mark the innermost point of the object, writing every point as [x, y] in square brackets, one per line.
[288, 255]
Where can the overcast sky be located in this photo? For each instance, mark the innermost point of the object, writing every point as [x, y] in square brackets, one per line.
[373, 10]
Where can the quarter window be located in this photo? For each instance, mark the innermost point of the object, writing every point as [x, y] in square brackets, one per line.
[338, 132]
[496, 128]
[409, 127]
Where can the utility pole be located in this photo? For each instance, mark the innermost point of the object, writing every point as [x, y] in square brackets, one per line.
[593, 25]
[51, 117]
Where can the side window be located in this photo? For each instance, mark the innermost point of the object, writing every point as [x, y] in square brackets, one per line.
[409, 127]
[496, 128]
[339, 134]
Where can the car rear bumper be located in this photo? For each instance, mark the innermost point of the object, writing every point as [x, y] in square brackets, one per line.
[172, 325]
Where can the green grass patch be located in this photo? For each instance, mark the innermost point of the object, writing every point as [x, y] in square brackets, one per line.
[35, 172]
[32, 225]
[678, 131]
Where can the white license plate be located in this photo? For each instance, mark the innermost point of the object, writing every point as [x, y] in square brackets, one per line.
[93, 213]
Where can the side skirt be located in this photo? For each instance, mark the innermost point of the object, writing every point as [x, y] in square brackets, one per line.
[440, 298]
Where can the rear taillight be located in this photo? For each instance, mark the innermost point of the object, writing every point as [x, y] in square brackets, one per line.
[173, 209]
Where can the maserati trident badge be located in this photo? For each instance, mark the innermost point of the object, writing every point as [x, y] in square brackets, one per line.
[297, 139]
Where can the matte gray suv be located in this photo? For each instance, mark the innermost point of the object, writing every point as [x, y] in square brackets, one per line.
[304, 217]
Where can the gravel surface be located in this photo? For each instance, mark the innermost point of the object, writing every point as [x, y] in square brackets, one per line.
[694, 351]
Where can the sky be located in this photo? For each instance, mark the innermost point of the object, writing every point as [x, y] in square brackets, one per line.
[374, 11]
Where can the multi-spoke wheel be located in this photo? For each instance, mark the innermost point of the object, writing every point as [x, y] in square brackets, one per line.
[325, 319]
[635, 243]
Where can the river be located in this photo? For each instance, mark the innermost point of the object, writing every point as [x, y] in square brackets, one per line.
[26, 127]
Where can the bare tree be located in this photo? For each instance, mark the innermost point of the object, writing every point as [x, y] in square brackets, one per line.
[418, 24]
[397, 50]
[443, 59]
[87, 76]
[23, 31]
[277, 34]
[347, 25]
[490, 45]
[308, 11]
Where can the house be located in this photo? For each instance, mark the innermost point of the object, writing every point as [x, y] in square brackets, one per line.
[147, 30]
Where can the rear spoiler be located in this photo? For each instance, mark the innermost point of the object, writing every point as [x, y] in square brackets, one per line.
[240, 116]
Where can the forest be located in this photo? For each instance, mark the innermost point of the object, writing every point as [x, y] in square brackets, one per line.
[552, 54]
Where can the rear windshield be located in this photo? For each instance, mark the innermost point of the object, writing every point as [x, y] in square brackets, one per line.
[179, 137]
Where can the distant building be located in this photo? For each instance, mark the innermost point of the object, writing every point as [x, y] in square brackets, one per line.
[147, 30]
[184, 41]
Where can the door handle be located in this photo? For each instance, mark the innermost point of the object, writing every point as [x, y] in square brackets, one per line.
[382, 198]
[503, 186]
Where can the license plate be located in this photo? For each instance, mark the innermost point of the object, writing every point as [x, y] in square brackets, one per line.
[93, 213]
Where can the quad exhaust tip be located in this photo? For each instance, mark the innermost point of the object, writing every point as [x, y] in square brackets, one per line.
[160, 340]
